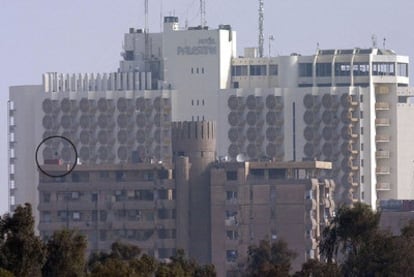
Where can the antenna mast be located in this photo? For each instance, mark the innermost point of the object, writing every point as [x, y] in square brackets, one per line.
[202, 13]
[146, 31]
[261, 20]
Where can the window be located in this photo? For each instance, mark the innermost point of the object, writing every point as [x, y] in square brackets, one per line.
[276, 173]
[342, 69]
[235, 84]
[197, 70]
[75, 195]
[192, 70]
[46, 197]
[231, 175]
[360, 69]
[383, 69]
[362, 162]
[273, 69]
[305, 70]
[102, 235]
[231, 256]
[232, 235]
[202, 102]
[94, 197]
[231, 195]
[202, 70]
[402, 69]
[62, 215]
[46, 217]
[144, 194]
[362, 147]
[323, 69]
[166, 194]
[76, 216]
[239, 70]
[258, 70]
[103, 215]
[120, 176]
[192, 102]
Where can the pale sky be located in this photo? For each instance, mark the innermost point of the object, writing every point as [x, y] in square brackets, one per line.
[78, 36]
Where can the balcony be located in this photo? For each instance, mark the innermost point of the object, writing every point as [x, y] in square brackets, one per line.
[383, 170]
[382, 138]
[383, 186]
[382, 122]
[382, 106]
[382, 154]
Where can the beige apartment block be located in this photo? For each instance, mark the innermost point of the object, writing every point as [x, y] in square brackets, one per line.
[253, 201]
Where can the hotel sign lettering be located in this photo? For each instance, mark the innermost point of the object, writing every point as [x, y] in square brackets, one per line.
[205, 46]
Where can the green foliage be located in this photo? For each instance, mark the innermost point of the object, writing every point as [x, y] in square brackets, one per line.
[315, 268]
[348, 230]
[5, 273]
[21, 252]
[66, 254]
[269, 259]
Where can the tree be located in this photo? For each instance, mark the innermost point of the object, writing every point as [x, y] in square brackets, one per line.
[269, 259]
[348, 231]
[315, 268]
[66, 254]
[21, 252]
[181, 266]
[123, 260]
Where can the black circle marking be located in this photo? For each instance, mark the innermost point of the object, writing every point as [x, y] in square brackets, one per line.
[69, 170]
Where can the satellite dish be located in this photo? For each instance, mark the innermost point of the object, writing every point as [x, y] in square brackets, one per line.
[240, 158]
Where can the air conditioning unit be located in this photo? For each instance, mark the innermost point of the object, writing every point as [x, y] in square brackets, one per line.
[251, 118]
[233, 134]
[123, 153]
[48, 153]
[122, 136]
[48, 122]
[103, 137]
[233, 102]
[327, 133]
[271, 118]
[308, 101]
[65, 105]
[251, 134]
[309, 149]
[68, 154]
[157, 104]
[140, 135]
[270, 102]
[327, 101]
[233, 118]
[84, 105]
[140, 104]
[122, 104]
[308, 117]
[251, 150]
[271, 133]
[251, 102]
[47, 106]
[271, 149]
[327, 117]
[308, 133]
[233, 150]
[66, 121]
[84, 153]
[327, 149]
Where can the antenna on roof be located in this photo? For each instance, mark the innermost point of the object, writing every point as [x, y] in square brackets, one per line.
[202, 13]
[146, 30]
[383, 42]
[261, 20]
[374, 41]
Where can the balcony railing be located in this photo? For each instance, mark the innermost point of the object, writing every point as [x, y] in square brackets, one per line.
[383, 186]
[382, 154]
[383, 170]
[382, 138]
[382, 122]
[382, 106]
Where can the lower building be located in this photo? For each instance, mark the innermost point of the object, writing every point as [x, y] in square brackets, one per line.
[253, 201]
[212, 209]
[396, 214]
